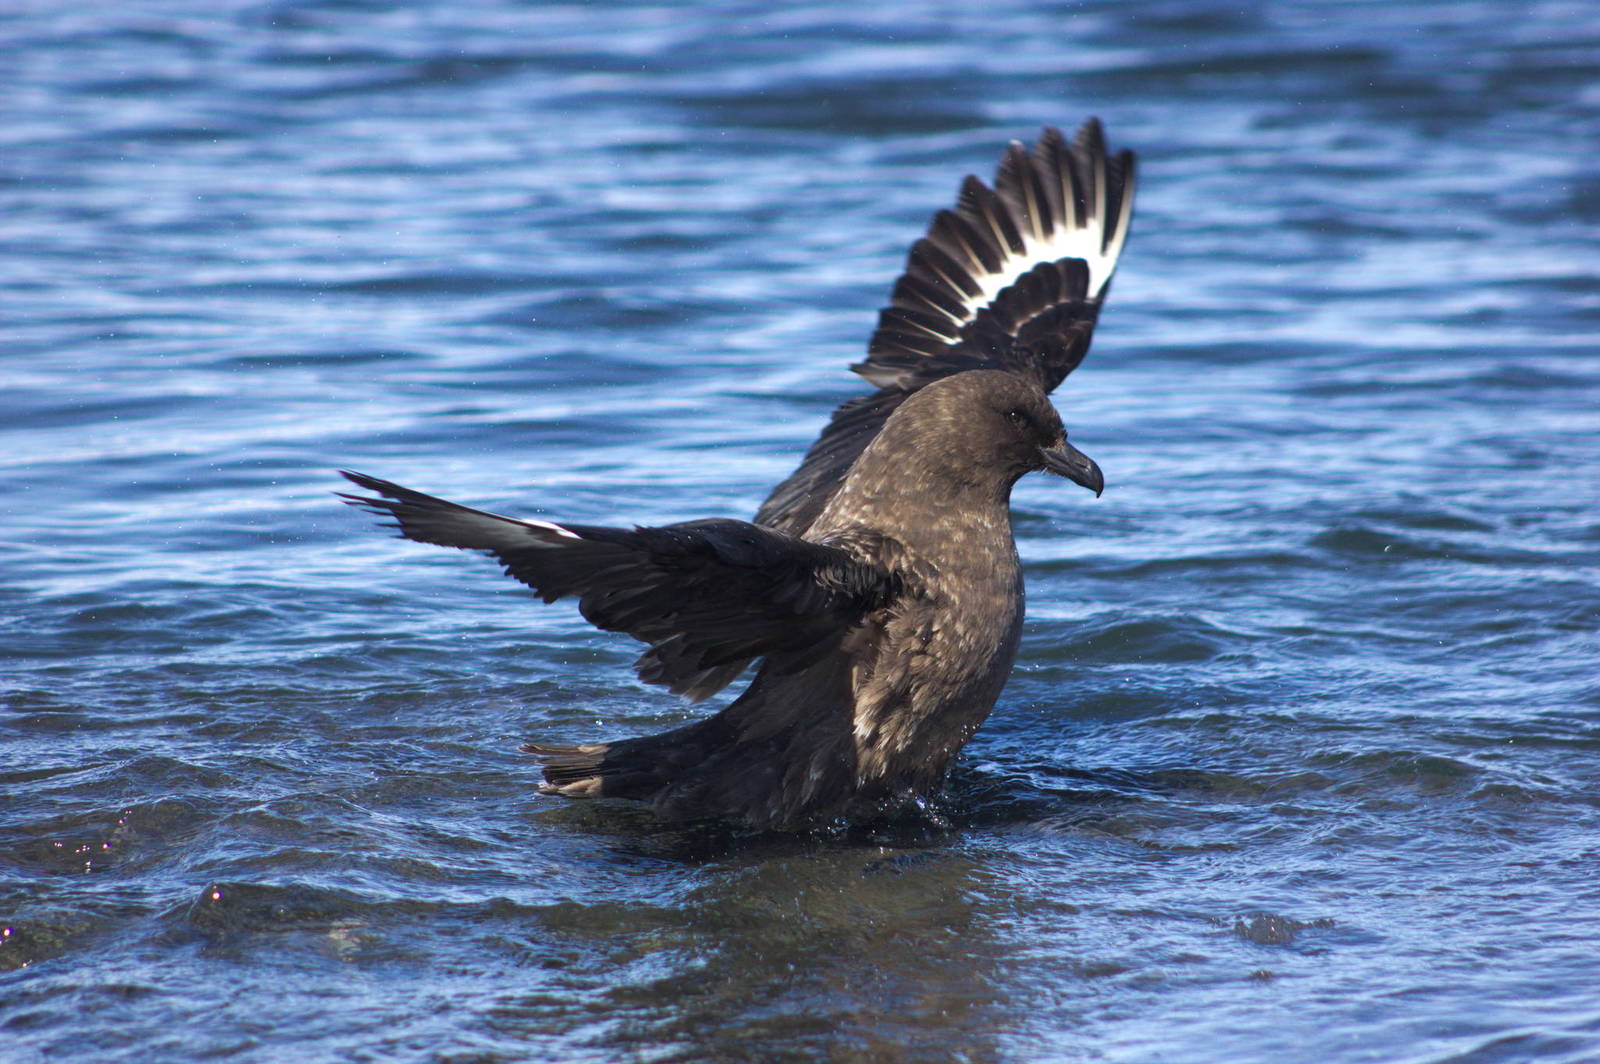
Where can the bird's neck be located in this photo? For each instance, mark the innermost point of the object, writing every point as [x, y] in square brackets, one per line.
[937, 514]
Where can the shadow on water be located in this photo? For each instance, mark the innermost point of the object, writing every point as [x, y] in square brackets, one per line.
[879, 940]
[872, 940]
[974, 798]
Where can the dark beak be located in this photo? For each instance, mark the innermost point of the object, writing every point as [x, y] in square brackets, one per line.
[1067, 461]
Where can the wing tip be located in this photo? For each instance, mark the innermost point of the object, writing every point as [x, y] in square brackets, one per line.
[1066, 199]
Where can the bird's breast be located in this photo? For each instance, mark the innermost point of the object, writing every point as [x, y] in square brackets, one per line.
[939, 660]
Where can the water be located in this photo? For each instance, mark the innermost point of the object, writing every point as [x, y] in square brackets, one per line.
[1301, 758]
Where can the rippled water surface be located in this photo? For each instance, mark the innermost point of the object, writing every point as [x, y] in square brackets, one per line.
[1302, 755]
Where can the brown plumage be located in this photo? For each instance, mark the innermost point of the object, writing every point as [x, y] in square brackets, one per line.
[879, 591]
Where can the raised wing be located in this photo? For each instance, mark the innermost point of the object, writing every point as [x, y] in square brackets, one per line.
[707, 596]
[1012, 279]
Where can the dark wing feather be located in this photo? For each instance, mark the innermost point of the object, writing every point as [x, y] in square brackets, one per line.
[1012, 279]
[708, 596]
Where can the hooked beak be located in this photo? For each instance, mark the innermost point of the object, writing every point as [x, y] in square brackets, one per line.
[1067, 461]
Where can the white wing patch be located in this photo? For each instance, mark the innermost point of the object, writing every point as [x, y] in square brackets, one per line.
[1089, 242]
[546, 526]
[484, 531]
[1003, 249]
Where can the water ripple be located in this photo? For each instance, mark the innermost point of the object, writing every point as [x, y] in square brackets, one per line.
[1305, 712]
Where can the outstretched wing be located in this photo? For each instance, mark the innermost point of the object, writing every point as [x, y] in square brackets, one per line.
[707, 596]
[1012, 279]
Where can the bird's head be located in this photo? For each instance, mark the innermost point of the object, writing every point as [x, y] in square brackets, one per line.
[987, 423]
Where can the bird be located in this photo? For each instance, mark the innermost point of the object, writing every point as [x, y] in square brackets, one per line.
[877, 592]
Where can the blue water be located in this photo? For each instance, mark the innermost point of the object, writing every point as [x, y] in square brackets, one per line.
[1301, 761]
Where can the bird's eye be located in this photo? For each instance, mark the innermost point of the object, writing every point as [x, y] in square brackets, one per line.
[1017, 416]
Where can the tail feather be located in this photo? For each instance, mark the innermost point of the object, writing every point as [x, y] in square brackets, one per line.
[781, 756]
[640, 768]
[583, 772]
[568, 764]
[702, 772]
